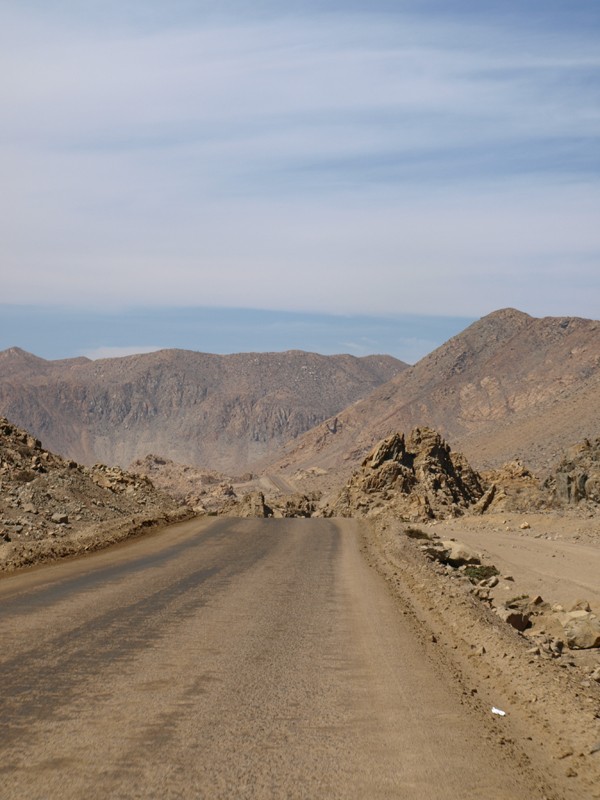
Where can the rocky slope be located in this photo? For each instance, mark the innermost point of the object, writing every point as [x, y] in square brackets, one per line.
[51, 507]
[576, 479]
[218, 412]
[508, 387]
[571, 485]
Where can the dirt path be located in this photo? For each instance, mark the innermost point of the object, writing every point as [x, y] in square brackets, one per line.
[557, 557]
[277, 482]
[233, 658]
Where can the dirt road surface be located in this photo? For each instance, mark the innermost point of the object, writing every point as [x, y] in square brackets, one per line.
[555, 556]
[231, 659]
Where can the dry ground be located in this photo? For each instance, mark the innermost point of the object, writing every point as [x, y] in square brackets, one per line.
[552, 707]
[264, 659]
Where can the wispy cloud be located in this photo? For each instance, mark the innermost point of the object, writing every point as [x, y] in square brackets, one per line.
[342, 161]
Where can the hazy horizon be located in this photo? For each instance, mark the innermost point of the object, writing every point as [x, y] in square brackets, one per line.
[111, 334]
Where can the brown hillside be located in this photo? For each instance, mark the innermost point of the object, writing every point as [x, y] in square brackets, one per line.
[222, 412]
[50, 507]
[509, 386]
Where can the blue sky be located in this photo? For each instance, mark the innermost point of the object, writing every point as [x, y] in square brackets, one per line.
[347, 160]
[98, 334]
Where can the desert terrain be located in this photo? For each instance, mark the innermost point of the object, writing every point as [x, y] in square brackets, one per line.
[217, 412]
[382, 607]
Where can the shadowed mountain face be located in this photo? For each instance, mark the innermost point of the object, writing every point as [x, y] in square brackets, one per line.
[223, 412]
[509, 386]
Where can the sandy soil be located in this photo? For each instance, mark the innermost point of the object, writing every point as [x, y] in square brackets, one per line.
[557, 557]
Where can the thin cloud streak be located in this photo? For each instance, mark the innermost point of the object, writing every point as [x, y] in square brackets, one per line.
[342, 162]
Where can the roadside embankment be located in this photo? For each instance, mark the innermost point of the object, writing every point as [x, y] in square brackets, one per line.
[552, 713]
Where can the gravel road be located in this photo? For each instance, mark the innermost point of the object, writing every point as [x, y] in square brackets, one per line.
[230, 659]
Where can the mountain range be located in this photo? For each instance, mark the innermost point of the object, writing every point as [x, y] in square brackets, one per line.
[225, 412]
[508, 386]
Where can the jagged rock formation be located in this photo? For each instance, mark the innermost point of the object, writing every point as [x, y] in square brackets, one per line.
[251, 505]
[213, 411]
[298, 505]
[576, 479]
[254, 504]
[513, 487]
[414, 479]
[47, 502]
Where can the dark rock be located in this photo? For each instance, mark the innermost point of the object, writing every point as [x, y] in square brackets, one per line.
[519, 619]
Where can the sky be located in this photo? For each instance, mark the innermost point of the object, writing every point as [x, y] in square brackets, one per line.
[341, 167]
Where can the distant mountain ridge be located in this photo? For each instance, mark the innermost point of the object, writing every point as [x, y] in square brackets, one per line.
[508, 386]
[219, 411]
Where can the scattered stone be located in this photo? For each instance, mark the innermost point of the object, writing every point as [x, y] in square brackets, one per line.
[537, 600]
[565, 754]
[580, 605]
[571, 773]
[59, 518]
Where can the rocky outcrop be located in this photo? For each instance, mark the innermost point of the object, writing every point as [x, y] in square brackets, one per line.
[512, 487]
[48, 505]
[576, 479]
[251, 505]
[413, 479]
[299, 505]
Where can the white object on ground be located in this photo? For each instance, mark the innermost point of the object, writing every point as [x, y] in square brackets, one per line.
[498, 711]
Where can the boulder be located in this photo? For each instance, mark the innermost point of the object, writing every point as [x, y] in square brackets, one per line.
[457, 554]
[582, 632]
[580, 605]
